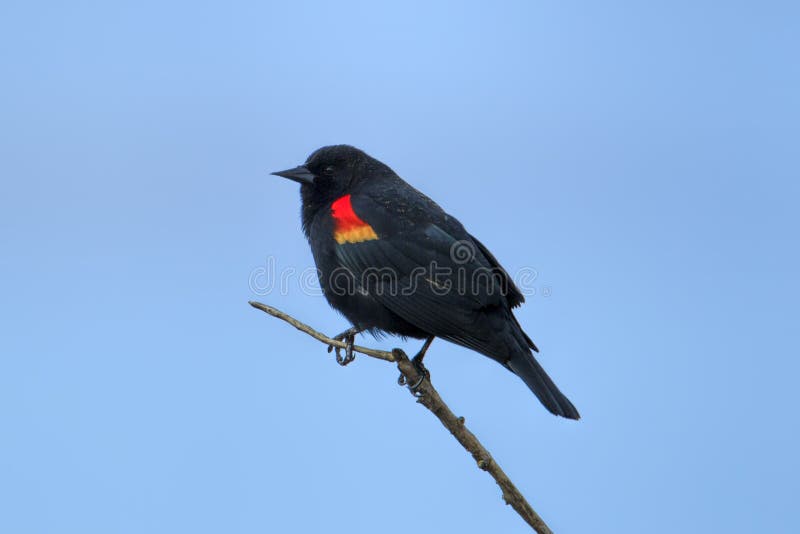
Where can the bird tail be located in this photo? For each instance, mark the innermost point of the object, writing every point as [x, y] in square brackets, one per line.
[525, 366]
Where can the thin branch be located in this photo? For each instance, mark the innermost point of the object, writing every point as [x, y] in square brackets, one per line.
[427, 395]
[275, 312]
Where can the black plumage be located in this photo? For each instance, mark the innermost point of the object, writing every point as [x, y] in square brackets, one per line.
[391, 260]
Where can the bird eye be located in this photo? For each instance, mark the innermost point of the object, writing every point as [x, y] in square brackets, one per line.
[328, 170]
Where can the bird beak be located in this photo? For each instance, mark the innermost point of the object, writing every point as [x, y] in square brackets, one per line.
[300, 174]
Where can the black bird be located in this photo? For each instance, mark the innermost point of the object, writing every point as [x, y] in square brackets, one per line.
[392, 261]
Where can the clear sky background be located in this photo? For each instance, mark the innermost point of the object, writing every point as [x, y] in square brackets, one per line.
[642, 157]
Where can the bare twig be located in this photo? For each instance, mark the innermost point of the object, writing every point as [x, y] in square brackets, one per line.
[427, 395]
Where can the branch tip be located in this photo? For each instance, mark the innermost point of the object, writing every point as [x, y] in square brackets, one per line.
[432, 401]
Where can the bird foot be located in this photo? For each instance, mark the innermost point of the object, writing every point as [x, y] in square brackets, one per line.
[416, 361]
[349, 337]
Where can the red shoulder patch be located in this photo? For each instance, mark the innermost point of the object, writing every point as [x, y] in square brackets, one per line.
[349, 227]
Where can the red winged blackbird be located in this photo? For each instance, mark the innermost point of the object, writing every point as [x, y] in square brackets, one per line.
[392, 261]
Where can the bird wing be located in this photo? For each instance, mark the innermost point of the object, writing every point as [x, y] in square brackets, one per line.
[423, 266]
[510, 289]
[442, 283]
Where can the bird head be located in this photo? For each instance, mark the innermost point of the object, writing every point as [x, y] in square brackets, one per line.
[329, 171]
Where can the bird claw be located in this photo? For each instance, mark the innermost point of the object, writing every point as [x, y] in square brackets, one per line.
[423, 374]
[349, 337]
[416, 361]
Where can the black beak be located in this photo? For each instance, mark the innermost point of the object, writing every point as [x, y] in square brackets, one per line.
[299, 174]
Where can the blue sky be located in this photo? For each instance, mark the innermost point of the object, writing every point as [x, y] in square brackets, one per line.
[641, 158]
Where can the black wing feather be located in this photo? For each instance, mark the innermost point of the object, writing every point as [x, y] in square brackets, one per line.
[478, 317]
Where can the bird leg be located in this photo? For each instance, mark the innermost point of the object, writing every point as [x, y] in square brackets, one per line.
[417, 362]
[349, 337]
